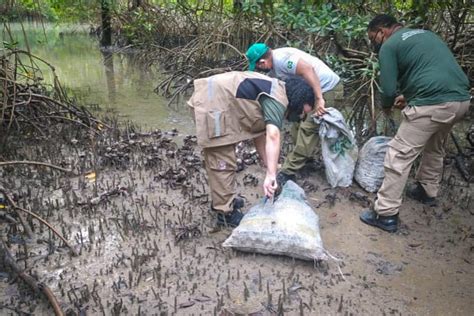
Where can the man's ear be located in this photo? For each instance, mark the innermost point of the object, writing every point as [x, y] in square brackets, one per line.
[307, 108]
[386, 31]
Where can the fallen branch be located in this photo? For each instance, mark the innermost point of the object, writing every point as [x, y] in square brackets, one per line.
[16, 207]
[26, 227]
[8, 261]
[36, 163]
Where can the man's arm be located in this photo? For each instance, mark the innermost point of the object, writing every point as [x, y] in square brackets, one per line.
[388, 76]
[272, 150]
[259, 143]
[306, 71]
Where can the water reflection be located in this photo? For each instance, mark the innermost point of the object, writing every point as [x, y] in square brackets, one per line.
[112, 81]
[110, 76]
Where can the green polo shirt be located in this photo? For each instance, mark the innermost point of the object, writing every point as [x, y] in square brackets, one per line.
[273, 111]
[419, 65]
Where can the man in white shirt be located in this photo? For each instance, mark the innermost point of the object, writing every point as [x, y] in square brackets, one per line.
[286, 62]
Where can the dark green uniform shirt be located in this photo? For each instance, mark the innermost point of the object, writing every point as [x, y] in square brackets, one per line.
[273, 111]
[425, 69]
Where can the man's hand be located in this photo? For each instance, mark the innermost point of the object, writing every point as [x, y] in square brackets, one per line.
[400, 102]
[320, 107]
[269, 186]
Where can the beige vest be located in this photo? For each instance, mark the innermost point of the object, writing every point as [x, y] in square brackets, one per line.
[221, 117]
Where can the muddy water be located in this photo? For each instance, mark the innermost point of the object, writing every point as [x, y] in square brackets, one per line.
[108, 81]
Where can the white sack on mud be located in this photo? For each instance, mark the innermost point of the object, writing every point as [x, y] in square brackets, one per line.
[287, 227]
[338, 146]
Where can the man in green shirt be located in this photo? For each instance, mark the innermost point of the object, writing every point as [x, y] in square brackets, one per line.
[418, 74]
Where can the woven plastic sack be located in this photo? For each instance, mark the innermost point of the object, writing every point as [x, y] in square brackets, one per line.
[287, 227]
[339, 148]
[369, 171]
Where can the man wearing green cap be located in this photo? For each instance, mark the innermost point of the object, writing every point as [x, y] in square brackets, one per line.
[286, 62]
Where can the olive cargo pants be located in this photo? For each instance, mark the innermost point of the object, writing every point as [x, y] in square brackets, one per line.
[423, 129]
[305, 135]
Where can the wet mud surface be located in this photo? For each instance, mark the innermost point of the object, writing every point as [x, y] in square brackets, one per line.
[149, 246]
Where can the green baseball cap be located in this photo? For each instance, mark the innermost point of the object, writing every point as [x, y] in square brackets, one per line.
[254, 53]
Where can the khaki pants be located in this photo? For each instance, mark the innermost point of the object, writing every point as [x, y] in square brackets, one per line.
[424, 129]
[305, 135]
[221, 166]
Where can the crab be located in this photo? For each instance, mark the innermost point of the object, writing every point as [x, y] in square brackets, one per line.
[183, 232]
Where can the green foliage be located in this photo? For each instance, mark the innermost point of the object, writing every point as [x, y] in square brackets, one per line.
[10, 45]
[75, 11]
[142, 27]
[26, 8]
[253, 7]
[53, 10]
[322, 20]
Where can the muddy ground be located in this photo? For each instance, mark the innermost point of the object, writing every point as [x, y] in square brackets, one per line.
[148, 245]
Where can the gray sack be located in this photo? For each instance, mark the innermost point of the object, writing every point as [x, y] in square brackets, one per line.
[338, 147]
[287, 227]
[369, 171]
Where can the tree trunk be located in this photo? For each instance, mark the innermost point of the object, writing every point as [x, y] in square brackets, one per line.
[135, 4]
[106, 39]
[110, 76]
[237, 6]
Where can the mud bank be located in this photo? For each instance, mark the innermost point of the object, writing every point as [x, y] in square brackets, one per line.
[148, 246]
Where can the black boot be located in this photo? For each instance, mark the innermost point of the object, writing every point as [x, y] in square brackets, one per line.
[233, 218]
[282, 178]
[238, 203]
[418, 193]
[387, 223]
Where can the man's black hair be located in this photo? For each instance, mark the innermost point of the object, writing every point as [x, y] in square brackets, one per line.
[381, 20]
[299, 93]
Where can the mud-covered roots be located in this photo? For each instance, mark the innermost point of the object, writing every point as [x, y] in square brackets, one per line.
[30, 107]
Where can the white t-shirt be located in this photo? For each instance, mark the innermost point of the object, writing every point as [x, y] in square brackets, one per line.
[285, 60]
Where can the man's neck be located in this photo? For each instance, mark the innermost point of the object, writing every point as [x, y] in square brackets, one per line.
[395, 28]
